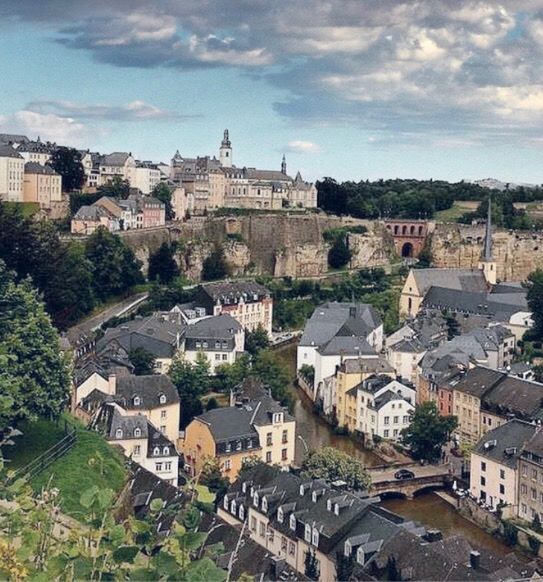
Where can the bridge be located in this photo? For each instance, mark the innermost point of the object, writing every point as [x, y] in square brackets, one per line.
[426, 477]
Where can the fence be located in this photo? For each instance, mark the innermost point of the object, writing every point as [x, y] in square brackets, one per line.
[39, 464]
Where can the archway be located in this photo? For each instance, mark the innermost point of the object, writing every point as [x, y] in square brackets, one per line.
[407, 250]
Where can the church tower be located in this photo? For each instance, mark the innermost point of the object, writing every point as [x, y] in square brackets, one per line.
[284, 165]
[225, 151]
[487, 264]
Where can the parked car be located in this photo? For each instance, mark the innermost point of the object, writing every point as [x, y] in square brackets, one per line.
[404, 474]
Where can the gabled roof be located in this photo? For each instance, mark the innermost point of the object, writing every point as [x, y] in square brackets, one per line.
[233, 290]
[115, 159]
[35, 168]
[347, 346]
[459, 279]
[9, 138]
[149, 389]
[6, 151]
[217, 327]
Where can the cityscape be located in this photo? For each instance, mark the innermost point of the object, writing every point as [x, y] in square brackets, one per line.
[269, 318]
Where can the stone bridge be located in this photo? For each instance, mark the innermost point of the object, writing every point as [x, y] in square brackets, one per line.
[426, 477]
[409, 236]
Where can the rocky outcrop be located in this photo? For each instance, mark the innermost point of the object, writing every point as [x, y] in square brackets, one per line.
[372, 249]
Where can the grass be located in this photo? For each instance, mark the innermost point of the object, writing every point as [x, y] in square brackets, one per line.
[92, 461]
[453, 213]
[37, 437]
[27, 209]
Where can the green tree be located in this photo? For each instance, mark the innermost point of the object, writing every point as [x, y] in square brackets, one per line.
[162, 265]
[115, 268]
[339, 254]
[330, 464]
[215, 266]
[311, 565]
[191, 381]
[143, 361]
[67, 162]
[270, 369]
[534, 284]
[212, 478]
[428, 432]
[344, 565]
[212, 404]
[256, 340]
[228, 376]
[115, 188]
[163, 193]
[34, 374]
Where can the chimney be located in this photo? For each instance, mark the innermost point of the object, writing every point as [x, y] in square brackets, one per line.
[112, 383]
[475, 559]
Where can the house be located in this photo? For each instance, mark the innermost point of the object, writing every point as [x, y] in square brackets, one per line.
[494, 463]
[158, 336]
[247, 302]
[405, 355]
[338, 319]
[146, 177]
[12, 167]
[117, 165]
[13, 139]
[530, 484]
[380, 406]
[259, 428]
[139, 439]
[220, 339]
[291, 517]
[89, 218]
[36, 151]
[42, 185]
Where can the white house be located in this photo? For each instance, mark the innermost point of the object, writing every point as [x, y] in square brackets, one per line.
[12, 167]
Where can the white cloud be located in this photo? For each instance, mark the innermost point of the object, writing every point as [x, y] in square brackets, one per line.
[303, 147]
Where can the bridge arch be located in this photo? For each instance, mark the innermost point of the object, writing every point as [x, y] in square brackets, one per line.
[407, 250]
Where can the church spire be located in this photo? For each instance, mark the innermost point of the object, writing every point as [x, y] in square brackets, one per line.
[284, 165]
[488, 233]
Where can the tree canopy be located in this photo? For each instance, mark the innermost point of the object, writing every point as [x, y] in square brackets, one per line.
[332, 465]
[191, 381]
[162, 265]
[215, 266]
[34, 374]
[142, 360]
[163, 193]
[534, 284]
[67, 162]
[428, 432]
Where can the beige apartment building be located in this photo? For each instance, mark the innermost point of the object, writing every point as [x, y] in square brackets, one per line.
[42, 185]
[12, 167]
[530, 468]
[494, 464]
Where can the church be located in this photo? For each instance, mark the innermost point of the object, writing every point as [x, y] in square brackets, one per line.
[212, 183]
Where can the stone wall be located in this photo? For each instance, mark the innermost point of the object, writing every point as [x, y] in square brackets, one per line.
[517, 253]
[372, 249]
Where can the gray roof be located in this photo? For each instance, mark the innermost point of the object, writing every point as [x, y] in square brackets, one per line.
[459, 279]
[366, 366]
[149, 390]
[269, 175]
[509, 439]
[93, 212]
[115, 159]
[109, 420]
[236, 290]
[217, 327]
[476, 382]
[6, 151]
[229, 423]
[35, 168]
[347, 346]
[36, 147]
[12, 138]
[332, 318]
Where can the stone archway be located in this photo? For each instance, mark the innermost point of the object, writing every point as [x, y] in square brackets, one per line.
[407, 250]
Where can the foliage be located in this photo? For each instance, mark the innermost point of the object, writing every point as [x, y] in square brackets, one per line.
[311, 565]
[504, 214]
[212, 478]
[308, 372]
[344, 565]
[162, 265]
[67, 162]
[143, 361]
[164, 297]
[235, 236]
[534, 284]
[34, 374]
[191, 381]
[534, 544]
[228, 376]
[256, 340]
[117, 187]
[536, 524]
[510, 533]
[428, 432]
[339, 254]
[538, 373]
[215, 266]
[115, 268]
[163, 193]
[268, 367]
[331, 464]
[212, 404]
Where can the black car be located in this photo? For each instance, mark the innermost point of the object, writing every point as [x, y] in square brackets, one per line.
[404, 474]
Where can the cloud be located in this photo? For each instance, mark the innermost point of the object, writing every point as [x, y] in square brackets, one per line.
[134, 111]
[396, 67]
[303, 147]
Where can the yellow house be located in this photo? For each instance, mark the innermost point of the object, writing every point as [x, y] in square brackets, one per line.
[259, 428]
[42, 185]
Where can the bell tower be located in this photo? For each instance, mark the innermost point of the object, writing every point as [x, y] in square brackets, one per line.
[225, 151]
[284, 165]
[487, 263]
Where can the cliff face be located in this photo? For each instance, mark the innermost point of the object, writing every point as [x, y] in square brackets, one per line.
[517, 253]
[372, 249]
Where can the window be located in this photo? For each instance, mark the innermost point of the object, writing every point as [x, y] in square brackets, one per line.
[315, 537]
[269, 439]
[395, 420]
[534, 474]
[162, 414]
[483, 466]
[284, 454]
[227, 465]
[502, 473]
[238, 446]
[241, 512]
[483, 481]
[284, 439]
[249, 443]
[262, 529]
[217, 357]
[137, 450]
[523, 489]
[271, 534]
[119, 433]
[524, 471]
[523, 508]
[166, 450]
[163, 428]
[502, 489]
[284, 543]
[137, 400]
[406, 419]
[268, 457]
[533, 494]
[158, 467]
[253, 523]
[387, 420]
[225, 357]
[307, 533]
[291, 548]
[162, 399]
[385, 433]
[292, 522]
[277, 417]
[280, 515]
[137, 432]
[168, 466]
[228, 447]
[156, 451]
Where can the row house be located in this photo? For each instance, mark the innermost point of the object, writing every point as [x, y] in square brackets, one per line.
[37, 152]
[253, 428]
[146, 177]
[117, 165]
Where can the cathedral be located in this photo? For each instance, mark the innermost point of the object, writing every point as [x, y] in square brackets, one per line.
[211, 183]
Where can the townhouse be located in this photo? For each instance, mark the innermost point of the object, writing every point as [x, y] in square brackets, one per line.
[42, 184]
[12, 167]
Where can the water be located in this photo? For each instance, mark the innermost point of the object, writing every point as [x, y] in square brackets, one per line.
[428, 509]
[316, 432]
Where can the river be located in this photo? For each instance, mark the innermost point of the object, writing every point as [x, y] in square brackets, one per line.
[428, 509]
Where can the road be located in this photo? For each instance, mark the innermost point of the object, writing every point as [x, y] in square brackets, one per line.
[384, 475]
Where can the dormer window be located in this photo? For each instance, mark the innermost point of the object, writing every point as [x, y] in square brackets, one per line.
[315, 537]
[302, 490]
[241, 512]
[166, 451]
[280, 515]
[238, 446]
[293, 522]
[233, 507]
[137, 400]
[228, 447]
[255, 499]
[265, 505]
[329, 505]
[119, 433]
[307, 533]
[347, 549]
[244, 487]
[137, 432]
[156, 451]
[360, 557]
[162, 399]
[250, 444]
[277, 417]
[336, 508]
[225, 502]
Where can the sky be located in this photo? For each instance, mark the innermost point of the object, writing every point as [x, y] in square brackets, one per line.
[352, 89]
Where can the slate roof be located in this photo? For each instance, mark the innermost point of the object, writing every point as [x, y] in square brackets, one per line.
[114, 159]
[510, 438]
[459, 279]
[109, 419]
[347, 346]
[36, 147]
[234, 290]
[476, 382]
[92, 212]
[148, 389]
[267, 175]
[6, 151]
[217, 327]
[328, 319]
[366, 366]
[8, 138]
[35, 168]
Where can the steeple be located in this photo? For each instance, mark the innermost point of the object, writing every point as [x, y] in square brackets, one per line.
[487, 264]
[225, 151]
[284, 165]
